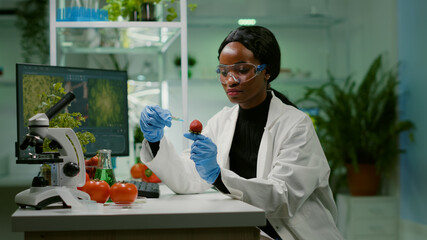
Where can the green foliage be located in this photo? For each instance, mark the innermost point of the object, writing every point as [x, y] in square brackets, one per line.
[38, 84]
[138, 136]
[126, 8]
[359, 123]
[172, 14]
[114, 8]
[192, 6]
[32, 20]
[191, 61]
[130, 6]
[104, 103]
[62, 120]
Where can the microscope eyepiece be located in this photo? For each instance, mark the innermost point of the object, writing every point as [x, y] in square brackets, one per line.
[60, 105]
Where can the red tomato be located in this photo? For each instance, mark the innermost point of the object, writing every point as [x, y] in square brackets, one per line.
[196, 127]
[123, 193]
[94, 160]
[149, 176]
[137, 170]
[91, 166]
[98, 191]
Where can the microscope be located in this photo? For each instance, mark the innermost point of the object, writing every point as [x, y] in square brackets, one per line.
[67, 165]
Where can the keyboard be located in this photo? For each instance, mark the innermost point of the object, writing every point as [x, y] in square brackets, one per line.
[146, 189]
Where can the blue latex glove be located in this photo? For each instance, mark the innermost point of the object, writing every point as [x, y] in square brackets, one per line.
[203, 153]
[153, 121]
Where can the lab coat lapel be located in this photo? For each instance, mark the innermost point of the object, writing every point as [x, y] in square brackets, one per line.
[265, 152]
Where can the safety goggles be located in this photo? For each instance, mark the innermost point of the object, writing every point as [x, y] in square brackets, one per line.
[239, 72]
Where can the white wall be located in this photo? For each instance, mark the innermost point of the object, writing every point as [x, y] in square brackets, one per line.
[413, 165]
[372, 30]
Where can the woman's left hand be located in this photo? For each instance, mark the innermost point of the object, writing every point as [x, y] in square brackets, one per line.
[203, 153]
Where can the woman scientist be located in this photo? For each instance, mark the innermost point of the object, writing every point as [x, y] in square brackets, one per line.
[263, 150]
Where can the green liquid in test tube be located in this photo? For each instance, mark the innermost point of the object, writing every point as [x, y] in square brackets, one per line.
[106, 175]
[104, 170]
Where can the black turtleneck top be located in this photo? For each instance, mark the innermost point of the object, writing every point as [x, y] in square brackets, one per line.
[247, 138]
[244, 148]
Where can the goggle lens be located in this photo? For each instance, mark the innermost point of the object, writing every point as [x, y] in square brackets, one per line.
[239, 72]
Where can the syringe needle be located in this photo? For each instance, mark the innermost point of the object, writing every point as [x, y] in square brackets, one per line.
[177, 119]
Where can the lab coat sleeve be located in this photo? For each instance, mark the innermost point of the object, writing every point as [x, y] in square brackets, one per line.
[298, 168]
[178, 172]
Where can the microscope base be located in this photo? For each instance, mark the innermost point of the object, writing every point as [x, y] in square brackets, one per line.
[41, 197]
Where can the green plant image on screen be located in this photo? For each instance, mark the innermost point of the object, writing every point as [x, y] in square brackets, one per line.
[105, 103]
[33, 87]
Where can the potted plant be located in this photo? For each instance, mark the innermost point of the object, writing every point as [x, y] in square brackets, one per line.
[136, 10]
[34, 25]
[359, 127]
[191, 62]
[148, 10]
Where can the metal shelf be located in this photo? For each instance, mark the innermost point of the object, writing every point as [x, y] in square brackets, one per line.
[124, 24]
[138, 40]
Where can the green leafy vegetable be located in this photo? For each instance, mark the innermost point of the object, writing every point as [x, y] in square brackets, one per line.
[62, 120]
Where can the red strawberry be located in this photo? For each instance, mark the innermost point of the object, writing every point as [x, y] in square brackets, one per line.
[196, 127]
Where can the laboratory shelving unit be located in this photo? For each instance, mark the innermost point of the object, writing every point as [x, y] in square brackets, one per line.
[168, 33]
[179, 29]
[140, 91]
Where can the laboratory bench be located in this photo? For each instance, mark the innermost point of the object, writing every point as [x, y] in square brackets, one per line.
[208, 215]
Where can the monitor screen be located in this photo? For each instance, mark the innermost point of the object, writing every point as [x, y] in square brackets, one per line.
[101, 98]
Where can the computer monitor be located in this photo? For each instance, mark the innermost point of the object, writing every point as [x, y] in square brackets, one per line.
[101, 97]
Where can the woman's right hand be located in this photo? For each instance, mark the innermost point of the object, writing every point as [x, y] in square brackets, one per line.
[153, 121]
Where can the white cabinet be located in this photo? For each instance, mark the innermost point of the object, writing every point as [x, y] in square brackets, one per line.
[366, 218]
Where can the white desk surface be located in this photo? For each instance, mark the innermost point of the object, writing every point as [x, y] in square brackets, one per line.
[209, 209]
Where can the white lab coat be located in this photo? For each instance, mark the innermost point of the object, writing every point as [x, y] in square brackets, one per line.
[291, 182]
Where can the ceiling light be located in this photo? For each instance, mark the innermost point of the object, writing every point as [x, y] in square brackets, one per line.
[246, 22]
